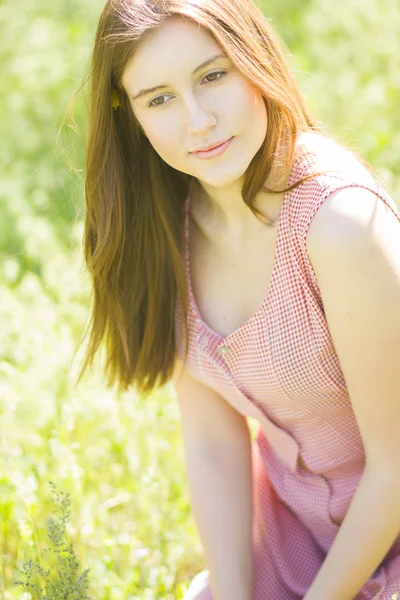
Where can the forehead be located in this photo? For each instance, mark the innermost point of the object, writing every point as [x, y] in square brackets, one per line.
[178, 45]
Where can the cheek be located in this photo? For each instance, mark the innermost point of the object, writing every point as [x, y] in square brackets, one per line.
[165, 141]
[255, 105]
[250, 103]
[162, 135]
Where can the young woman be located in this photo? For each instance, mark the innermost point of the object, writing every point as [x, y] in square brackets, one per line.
[239, 251]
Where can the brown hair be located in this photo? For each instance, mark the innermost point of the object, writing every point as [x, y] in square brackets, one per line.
[135, 201]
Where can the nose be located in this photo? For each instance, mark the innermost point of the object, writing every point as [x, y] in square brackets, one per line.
[200, 118]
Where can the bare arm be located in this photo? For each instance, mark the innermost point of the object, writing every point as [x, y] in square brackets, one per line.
[217, 448]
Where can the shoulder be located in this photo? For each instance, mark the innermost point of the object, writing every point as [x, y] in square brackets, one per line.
[322, 165]
[354, 247]
[316, 151]
[349, 215]
[353, 244]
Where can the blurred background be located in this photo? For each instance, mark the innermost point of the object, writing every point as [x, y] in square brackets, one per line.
[120, 457]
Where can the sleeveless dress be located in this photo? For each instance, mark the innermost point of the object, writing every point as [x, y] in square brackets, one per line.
[280, 368]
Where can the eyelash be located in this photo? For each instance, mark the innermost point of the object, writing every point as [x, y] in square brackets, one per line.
[222, 73]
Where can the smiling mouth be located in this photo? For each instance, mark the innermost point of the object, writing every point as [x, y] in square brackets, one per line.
[208, 147]
[213, 152]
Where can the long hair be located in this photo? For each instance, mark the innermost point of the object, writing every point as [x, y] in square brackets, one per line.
[134, 200]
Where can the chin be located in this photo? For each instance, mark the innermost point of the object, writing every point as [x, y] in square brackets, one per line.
[226, 177]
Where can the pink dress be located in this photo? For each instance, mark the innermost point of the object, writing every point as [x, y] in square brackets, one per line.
[280, 367]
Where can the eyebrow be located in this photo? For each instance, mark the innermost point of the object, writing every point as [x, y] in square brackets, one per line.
[159, 87]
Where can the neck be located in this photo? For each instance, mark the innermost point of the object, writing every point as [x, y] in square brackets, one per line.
[225, 209]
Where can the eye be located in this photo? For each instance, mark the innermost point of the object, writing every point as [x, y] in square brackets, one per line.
[221, 73]
[154, 103]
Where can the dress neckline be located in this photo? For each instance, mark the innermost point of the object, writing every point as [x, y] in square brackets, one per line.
[221, 339]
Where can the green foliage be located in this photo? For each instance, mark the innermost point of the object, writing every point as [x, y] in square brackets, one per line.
[67, 583]
[120, 457]
[346, 59]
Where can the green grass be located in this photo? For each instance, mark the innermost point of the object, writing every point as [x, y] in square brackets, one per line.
[120, 458]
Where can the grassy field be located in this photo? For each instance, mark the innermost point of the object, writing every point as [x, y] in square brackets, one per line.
[119, 457]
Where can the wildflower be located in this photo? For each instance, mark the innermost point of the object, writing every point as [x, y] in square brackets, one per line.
[115, 99]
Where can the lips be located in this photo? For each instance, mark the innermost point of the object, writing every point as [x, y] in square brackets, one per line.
[208, 147]
[214, 151]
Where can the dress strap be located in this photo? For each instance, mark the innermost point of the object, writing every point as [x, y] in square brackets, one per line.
[186, 246]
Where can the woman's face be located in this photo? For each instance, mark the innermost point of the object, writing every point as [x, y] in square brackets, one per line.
[195, 105]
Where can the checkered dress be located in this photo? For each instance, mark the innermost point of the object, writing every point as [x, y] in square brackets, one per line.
[280, 368]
